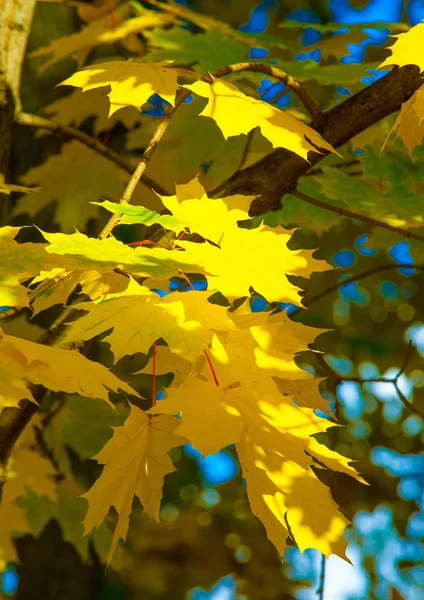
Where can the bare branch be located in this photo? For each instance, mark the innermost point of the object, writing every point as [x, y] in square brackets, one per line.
[361, 381]
[352, 215]
[354, 278]
[321, 583]
[406, 402]
[405, 360]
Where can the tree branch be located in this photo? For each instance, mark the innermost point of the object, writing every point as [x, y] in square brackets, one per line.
[354, 278]
[28, 120]
[356, 216]
[321, 581]
[277, 173]
[405, 360]
[340, 378]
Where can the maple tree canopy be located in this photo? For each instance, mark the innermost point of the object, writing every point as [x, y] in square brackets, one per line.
[87, 279]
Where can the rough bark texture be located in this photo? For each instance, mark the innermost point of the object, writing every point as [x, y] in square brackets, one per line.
[277, 174]
[15, 25]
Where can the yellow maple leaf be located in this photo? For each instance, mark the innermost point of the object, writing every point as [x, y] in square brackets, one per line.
[94, 284]
[178, 157]
[265, 251]
[408, 49]
[265, 345]
[167, 361]
[279, 443]
[79, 252]
[18, 263]
[78, 106]
[409, 124]
[262, 404]
[102, 179]
[259, 488]
[304, 501]
[97, 33]
[235, 113]
[203, 215]
[305, 392]
[209, 418]
[136, 461]
[131, 83]
[185, 321]
[56, 369]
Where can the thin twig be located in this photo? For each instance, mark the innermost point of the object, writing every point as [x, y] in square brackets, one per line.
[280, 95]
[351, 215]
[43, 287]
[405, 359]
[357, 277]
[394, 381]
[307, 302]
[406, 402]
[354, 278]
[321, 582]
[35, 121]
[182, 94]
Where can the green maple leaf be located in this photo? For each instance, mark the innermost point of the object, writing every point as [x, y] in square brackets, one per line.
[209, 50]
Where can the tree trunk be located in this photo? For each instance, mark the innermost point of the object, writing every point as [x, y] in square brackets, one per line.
[15, 25]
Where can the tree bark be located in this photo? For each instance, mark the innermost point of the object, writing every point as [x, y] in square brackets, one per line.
[277, 173]
[15, 25]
